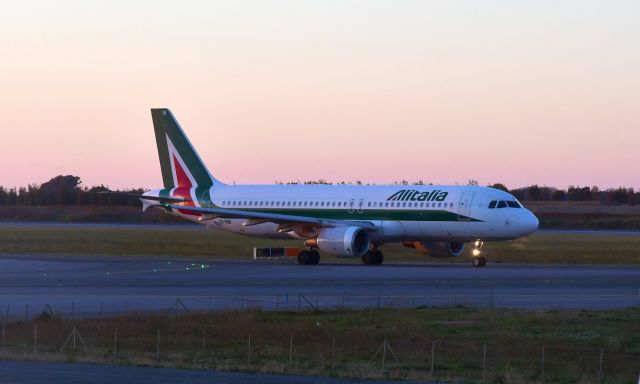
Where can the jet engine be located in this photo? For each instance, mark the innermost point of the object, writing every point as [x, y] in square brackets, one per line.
[436, 249]
[343, 241]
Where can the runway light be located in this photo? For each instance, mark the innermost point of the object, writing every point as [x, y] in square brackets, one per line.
[476, 252]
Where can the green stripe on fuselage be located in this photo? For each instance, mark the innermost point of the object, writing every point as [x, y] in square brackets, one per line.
[367, 214]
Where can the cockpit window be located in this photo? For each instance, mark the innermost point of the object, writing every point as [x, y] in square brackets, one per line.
[502, 204]
[492, 204]
[513, 204]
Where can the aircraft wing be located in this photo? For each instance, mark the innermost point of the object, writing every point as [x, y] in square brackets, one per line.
[261, 217]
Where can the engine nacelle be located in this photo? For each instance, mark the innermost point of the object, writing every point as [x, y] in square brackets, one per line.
[436, 249]
[343, 241]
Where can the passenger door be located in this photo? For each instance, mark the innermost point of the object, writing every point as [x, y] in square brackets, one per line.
[464, 208]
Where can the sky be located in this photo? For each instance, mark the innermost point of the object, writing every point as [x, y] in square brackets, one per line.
[517, 92]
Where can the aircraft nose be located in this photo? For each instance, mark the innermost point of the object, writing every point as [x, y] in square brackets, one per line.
[529, 222]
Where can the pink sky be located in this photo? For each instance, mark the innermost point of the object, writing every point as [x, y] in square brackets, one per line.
[541, 92]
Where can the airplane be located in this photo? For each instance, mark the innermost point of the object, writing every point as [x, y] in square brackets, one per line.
[349, 221]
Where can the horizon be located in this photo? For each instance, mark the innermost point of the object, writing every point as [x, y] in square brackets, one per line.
[330, 182]
[523, 94]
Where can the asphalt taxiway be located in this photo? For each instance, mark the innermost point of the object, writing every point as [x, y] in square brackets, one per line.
[31, 372]
[95, 285]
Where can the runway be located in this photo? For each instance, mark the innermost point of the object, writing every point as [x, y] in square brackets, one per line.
[95, 285]
[32, 372]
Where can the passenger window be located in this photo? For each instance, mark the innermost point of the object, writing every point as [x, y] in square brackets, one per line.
[439, 204]
[492, 204]
[502, 204]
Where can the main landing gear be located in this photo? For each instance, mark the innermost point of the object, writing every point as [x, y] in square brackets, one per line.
[373, 257]
[477, 261]
[309, 257]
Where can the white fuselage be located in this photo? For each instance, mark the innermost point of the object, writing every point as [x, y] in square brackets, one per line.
[420, 213]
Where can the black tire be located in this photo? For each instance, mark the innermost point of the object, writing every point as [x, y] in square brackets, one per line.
[304, 257]
[476, 262]
[378, 257]
[483, 261]
[314, 257]
[368, 258]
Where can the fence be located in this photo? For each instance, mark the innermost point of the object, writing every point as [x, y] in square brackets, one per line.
[74, 307]
[194, 331]
[197, 342]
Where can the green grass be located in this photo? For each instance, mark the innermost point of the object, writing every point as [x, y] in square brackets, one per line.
[514, 340]
[199, 242]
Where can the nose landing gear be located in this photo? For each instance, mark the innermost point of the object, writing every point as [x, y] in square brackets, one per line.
[477, 261]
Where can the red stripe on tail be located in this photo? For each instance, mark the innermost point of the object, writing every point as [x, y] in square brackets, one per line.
[183, 188]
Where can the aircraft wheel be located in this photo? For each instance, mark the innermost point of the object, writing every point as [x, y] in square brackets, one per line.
[378, 257]
[304, 257]
[479, 261]
[368, 258]
[314, 257]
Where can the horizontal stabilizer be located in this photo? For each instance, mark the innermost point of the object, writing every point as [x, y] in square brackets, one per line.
[145, 197]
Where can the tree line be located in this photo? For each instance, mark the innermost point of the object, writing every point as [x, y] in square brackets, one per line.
[68, 190]
[64, 190]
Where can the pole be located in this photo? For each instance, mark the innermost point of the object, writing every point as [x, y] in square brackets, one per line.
[249, 353]
[74, 337]
[384, 352]
[333, 351]
[600, 370]
[115, 341]
[158, 346]
[484, 360]
[433, 355]
[291, 352]
[542, 374]
[35, 338]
